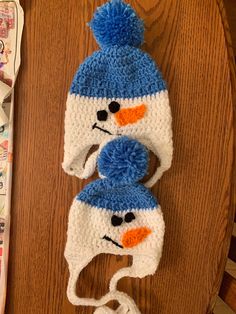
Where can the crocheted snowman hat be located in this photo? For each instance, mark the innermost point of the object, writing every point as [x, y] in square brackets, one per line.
[115, 215]
[118, 90]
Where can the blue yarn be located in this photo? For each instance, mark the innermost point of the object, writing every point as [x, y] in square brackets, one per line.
[106, 194]
[116, 23]
[118, 72]
[123, 160]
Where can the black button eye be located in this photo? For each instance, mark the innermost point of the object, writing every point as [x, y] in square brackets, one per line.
[114, 107]
[116, 221]
[129, 217]
[102, 115]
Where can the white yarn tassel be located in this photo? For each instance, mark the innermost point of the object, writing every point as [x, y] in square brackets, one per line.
[127, 304]
[128, 307]
[122, 309]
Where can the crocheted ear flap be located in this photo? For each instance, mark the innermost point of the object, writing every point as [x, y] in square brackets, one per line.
[75, 267]
[115, 215]
[118, 90]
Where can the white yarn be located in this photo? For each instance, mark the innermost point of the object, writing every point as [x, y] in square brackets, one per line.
[142, 266]
[153, 130]
[86, 229]
[87, 225]
[127, 304]
[122, 309]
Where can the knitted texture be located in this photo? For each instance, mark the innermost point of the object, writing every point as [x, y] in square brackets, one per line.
[119, 69]
[118, 100]
[90, 231]
[130, 115]
[118, 72]
[115, 217]
[104, 194]
[118, 90]
[83, 130]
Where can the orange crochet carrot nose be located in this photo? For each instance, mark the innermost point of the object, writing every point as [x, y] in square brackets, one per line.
[130, 115]
[135, 236]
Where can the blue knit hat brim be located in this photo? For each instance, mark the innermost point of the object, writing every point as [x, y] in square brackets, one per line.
[105, 195]
[118, 72]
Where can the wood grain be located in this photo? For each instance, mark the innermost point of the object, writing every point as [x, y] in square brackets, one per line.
[228, 290]
[231, 14]
[188, 40]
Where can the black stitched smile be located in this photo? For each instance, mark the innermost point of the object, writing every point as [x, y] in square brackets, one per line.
[114, 242]
[101, 129]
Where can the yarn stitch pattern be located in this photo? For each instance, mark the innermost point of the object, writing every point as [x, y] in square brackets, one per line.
[119, 101]
[115, 216]
[118, 90]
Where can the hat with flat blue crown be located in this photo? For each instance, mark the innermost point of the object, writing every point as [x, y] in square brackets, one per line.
[118, 90]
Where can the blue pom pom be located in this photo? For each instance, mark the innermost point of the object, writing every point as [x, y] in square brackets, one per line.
[123, 160]
[116, 23]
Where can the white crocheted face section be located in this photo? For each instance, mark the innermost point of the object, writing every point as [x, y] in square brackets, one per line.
[90, 231]
[83, 129]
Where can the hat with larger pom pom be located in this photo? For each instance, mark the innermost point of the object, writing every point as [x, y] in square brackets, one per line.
[119, 69]
[116, 24]
[118, 90]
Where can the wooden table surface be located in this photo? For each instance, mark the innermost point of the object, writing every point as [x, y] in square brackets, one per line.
[189, 41]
